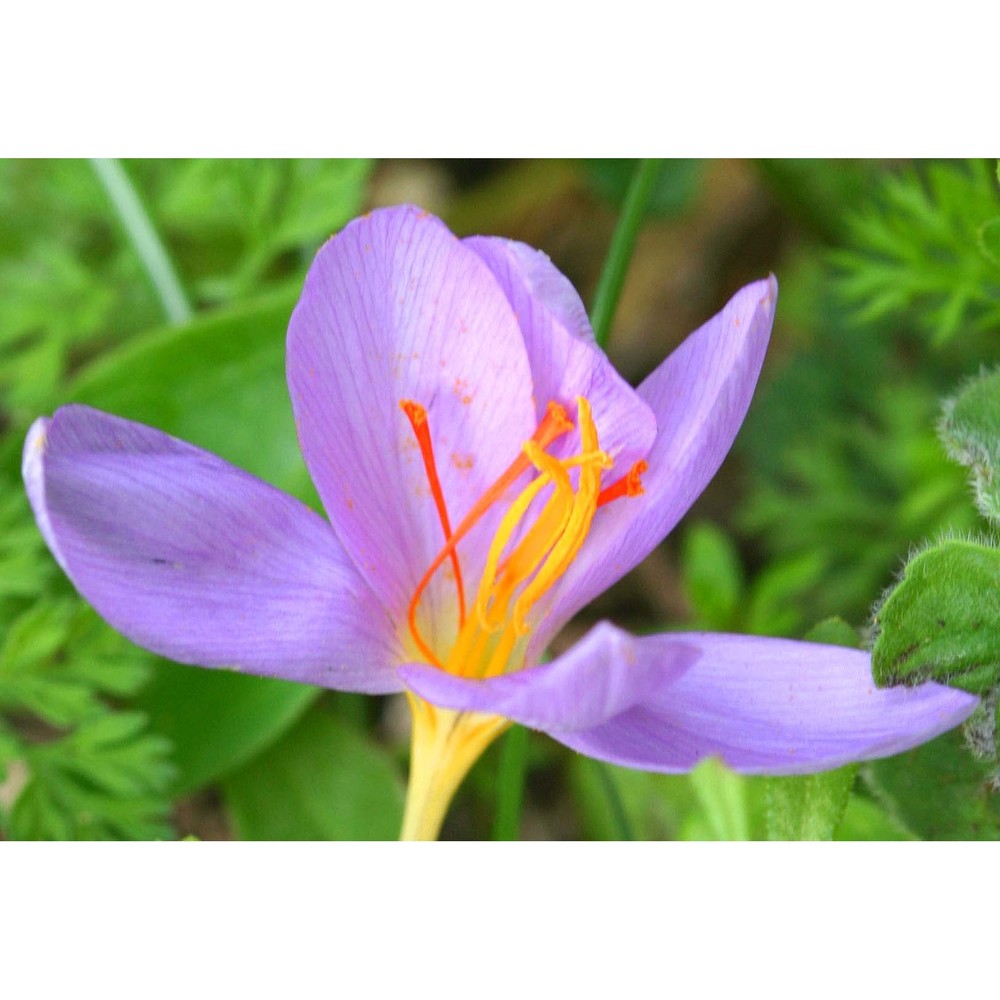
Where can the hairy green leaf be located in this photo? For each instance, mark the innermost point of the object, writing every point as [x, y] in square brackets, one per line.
[942, 620]
[970, 430]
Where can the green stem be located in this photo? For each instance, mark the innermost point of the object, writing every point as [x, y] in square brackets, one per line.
[510, 784]
[609, 288]
[617, 806]
[145, 240]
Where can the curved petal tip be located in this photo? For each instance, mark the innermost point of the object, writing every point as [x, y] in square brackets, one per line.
[597, 679]
[770, 706]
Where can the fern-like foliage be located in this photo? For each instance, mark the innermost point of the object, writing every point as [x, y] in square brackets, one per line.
[72, 766]
[925, 248]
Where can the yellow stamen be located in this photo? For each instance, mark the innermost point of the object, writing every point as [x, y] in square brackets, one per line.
[551, 471]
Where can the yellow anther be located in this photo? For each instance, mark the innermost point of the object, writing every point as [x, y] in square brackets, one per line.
[550, 471]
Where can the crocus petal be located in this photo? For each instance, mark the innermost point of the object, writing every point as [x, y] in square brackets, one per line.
[768, 706]
[199, 561]
[599, 678]
[542, 281]
[565, 361]
[700, 396]
[395, 308]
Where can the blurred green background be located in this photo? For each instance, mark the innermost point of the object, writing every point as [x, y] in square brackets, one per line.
[890, 296]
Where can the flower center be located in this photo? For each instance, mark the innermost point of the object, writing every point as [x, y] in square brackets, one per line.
[534, 544]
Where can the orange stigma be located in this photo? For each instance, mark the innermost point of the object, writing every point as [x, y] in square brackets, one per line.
[630, 485]
[417, 416]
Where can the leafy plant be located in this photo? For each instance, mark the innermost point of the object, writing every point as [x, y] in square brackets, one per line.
[74, 767]
[926, 248]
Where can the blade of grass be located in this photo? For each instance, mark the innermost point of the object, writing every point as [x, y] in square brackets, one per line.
[145, 240]
[615, 803]
[510, 784]
[609, 288]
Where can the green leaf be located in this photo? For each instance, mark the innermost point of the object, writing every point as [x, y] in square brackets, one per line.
[970, 431]
[866, 820]
[938, 791]
[771, 610]
[989, 240]
[725, 806]
[323, 196]
[833, 632]
[942, 620]
[218, 720]
[712, 575]
[809, 806]
[324, 780]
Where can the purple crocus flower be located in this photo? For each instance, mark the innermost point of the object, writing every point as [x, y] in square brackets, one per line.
[486, 473]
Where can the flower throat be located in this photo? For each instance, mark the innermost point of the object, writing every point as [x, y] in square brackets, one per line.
[516, 576]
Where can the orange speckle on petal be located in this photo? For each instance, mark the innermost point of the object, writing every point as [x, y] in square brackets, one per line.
[461, 390]
[462, 462]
